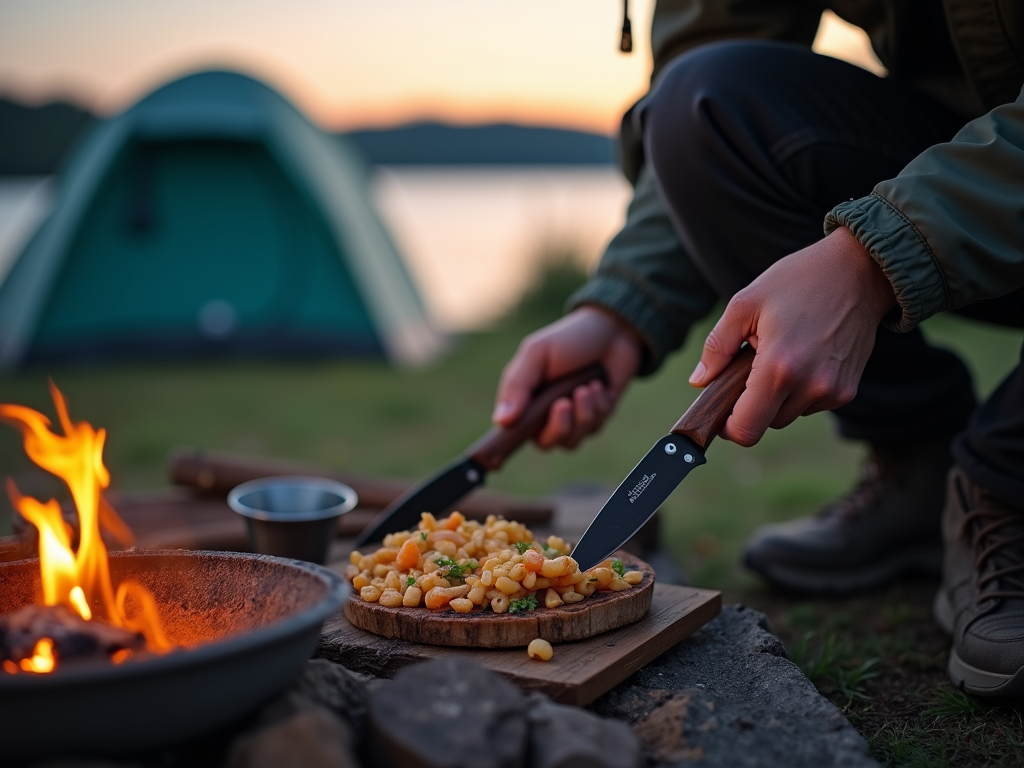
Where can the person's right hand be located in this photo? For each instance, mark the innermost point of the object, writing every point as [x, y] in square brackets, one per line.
[586, 335]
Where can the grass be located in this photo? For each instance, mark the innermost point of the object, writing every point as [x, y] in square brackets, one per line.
[879, 658]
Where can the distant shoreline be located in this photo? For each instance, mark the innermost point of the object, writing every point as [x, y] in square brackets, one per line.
[36, 140]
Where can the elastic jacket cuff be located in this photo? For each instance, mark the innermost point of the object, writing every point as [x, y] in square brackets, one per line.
[903, 254]
[629, 301]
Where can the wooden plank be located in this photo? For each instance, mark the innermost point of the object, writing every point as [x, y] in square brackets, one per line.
[579, 672]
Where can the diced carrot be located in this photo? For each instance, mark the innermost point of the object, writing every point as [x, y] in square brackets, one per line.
[436, 598]
[408, 555]
[533, 560]
[455, 519]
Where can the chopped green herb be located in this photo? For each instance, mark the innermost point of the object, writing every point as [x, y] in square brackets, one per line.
[452, 570]
[550, 552]
[528, 603]
[618, 566]
[410, 581]
[423, 535]
[522, 546]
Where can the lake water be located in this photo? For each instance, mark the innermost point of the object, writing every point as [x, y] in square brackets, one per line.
[472, 237]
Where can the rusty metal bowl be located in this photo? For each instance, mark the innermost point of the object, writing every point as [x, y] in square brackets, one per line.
[247, 623]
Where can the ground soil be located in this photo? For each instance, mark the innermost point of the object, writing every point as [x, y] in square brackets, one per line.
[881, 658]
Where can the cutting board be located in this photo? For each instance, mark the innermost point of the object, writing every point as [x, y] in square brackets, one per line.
[579, 672]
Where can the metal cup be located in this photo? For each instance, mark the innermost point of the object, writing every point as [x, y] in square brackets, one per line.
[292, 517]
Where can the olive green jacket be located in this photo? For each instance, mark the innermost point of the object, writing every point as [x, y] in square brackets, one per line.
[947, 231]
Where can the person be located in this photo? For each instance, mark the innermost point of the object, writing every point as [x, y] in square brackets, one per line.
[746, 142]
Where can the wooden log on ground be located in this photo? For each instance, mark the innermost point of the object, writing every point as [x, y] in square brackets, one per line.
[216, 473]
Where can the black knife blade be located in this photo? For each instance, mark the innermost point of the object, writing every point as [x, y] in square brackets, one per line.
[433, 495]
[637, 498]
[665, 465]
[441, 491]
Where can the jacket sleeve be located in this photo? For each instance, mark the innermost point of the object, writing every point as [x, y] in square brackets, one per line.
[949, 229]
[646, 279]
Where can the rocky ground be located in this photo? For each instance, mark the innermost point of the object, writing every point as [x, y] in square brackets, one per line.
[882, 660]
[728, 696]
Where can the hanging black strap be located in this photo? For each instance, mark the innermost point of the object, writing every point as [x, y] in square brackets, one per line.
[626, 43]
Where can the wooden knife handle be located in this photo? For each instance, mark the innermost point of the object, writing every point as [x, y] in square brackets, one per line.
[499, 443]
[708, 413]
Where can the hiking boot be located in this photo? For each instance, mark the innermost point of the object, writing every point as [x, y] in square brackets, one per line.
[981, 600]
[887, 525]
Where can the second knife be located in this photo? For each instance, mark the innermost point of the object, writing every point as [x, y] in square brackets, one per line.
[454, 481]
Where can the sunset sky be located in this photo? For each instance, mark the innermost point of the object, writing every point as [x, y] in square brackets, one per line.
[351, 64]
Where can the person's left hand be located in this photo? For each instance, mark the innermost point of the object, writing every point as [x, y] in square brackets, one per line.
[812, 318]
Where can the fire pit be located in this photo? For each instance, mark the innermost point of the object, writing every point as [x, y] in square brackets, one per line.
[108, 653]
[243, 625]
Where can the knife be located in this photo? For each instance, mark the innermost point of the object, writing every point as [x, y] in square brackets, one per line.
[665, 465]
[487, 454]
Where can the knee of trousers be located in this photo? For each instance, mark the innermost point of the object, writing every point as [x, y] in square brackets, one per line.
[706, 106]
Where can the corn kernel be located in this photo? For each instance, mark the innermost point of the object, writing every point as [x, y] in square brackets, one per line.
[462, 605]
[552, 599]
[506, 585]
[540, 649]
[500, 603]
[370, 593]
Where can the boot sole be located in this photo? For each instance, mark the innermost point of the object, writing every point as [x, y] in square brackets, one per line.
[970, 679]
[981, 683]
[926, 560]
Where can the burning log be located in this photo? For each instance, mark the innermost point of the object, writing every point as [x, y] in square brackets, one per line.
[62, 634]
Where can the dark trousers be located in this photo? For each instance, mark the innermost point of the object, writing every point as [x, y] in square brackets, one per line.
[751, 144]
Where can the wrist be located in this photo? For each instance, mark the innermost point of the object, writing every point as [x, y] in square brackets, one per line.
[611, 323]
[872, 287]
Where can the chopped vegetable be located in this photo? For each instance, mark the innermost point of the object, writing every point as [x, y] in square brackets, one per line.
[452, 570]
[540, 649]
[495, 564]
[528, 603]
[618, 566]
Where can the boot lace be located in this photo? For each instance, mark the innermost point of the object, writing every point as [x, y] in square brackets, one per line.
[997, 541]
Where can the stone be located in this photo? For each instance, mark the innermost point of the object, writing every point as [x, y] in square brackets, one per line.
[310, 738]
[447, 713]
[730, 696]
[568, 737]
[327, 685]
[311, 724]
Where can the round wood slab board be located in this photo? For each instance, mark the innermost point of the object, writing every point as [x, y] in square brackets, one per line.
[598, 613]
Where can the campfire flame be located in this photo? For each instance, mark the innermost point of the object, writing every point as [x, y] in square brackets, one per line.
[78, 580]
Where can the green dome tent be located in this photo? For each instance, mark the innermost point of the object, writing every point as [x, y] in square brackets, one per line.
[211, 218]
